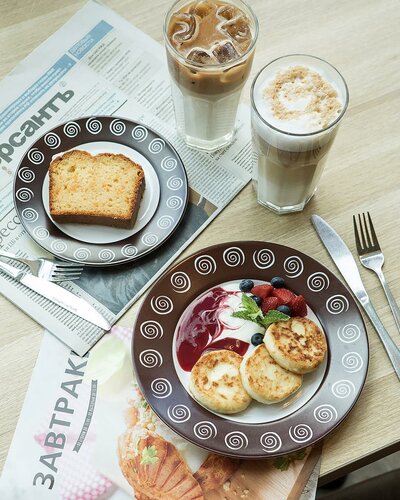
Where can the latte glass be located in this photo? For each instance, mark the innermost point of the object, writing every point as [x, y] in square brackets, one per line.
[287, 165]
[206, 96]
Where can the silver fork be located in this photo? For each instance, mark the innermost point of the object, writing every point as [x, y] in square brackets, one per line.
[48, 269]
[371, 257]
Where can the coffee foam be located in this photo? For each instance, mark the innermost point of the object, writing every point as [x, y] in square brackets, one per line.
[307, 113]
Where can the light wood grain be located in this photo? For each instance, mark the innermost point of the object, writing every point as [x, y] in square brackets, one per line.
[361, 38]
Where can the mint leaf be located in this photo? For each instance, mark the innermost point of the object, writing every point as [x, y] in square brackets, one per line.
[283, 463]
[242, 315]
[249, 311]
[250, 305]
[273, 316]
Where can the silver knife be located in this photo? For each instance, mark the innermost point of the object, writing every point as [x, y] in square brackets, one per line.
[347, 266]
[58, 295]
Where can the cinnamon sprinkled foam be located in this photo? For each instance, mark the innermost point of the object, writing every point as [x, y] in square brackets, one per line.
[298, 100]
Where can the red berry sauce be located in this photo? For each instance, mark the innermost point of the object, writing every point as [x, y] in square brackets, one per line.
[201, 325]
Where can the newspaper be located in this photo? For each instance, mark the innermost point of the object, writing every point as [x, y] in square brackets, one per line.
[78, 415]
[99, 64]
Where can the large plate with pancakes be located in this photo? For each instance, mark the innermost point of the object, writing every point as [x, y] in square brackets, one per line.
[106, 145]
[308, 394]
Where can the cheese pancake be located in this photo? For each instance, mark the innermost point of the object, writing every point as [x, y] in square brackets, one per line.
[216, 384]
[298, 345]
[265, 380]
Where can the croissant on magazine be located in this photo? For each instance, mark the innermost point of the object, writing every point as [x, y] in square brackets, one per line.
[155, 468]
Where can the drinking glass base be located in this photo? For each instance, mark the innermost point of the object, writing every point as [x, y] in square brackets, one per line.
[208, 145]
[288, 209]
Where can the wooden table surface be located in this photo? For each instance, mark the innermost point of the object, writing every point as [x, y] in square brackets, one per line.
[361, 38]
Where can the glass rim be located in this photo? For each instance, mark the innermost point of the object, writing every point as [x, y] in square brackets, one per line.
[307, 134]
[211, 66]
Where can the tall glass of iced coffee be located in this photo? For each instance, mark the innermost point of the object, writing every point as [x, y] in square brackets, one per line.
[210, 47]
[297, 102]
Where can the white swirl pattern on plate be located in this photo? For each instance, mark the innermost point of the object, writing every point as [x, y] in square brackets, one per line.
[156, 145]
[129, 250]
[174, 202]
[168, 163]
[150, 358]
[106, 255]
[174, 183]
[149, 239]
[35, 156]
[94, 126]
[325, 413]
[24, 194]
[140, 133]
[161, 304]
[233, 257]
[52, 140]
[293, 266]
[271, 442]
[343, 389]
[82, 253]
[179, 413]
[151, 330]
[337, 304]
[349, 333]
[300, 433]
[264, 258]
[180, 282]
[161, 388]
[71, 129]
[236, 440]
[117, 127]
[165, 222]
[26, 175]
[352, 362]
[41, 233]
[205, 264]
[30, 214]
[205, 430]
[58, 246]
[317, 282]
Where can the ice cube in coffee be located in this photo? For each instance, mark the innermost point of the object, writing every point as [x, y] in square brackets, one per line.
[297, 104]
[210, 47]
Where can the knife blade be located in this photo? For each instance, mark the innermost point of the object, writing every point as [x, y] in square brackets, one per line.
[55, 293]
[341, 256]
[347, 266]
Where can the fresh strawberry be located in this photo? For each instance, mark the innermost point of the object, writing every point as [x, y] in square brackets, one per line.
[284, 296]
[299, 306]
[262, 290]
[269, 303]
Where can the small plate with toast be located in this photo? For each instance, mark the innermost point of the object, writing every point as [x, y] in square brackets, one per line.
[101, 190]
[250, 349]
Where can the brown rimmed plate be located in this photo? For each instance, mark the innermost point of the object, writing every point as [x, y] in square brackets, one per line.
[161, 209]
[329, 303]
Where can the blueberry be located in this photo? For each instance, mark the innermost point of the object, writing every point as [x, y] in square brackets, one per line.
[246, 285]
[257, 339]
[285, 310]
[278, 282]
[257, 299]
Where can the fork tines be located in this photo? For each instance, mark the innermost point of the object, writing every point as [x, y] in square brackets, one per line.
[366, 239]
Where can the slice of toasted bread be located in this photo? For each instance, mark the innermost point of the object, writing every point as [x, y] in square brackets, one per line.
[298, 345]
[265, 380]
[216, 384]
[104, 189]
